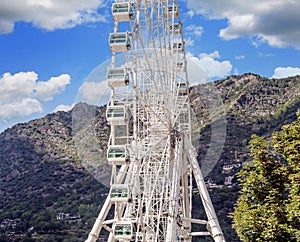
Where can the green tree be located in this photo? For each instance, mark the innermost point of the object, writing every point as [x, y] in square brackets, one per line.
[287, 143]
[268, 208]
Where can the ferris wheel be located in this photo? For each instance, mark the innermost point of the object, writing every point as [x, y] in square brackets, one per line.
[153, 162]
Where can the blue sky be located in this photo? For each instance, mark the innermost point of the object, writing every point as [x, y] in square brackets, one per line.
[48, 48]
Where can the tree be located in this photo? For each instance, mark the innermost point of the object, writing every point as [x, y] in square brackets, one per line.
[287, 143]
[268, 208]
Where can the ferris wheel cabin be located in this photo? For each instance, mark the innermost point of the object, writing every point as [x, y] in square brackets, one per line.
[124, 231]
[175, 28]
[117, 155]
[180, 67]
[120, 193]
[119, 42]
[178, 46]
[116, 115]
[117, 77]
[182, 88]
[173, 11]
[122, 12]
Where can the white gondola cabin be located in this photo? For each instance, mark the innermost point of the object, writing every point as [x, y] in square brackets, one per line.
[180, 66]
[120, 193]
[178, 46]
[117, 155]
[124, 230]
[117, 77]
[119, 42]
[182, 88]
[122, 12]
[117, 115]
[173, 11]
[175, 28]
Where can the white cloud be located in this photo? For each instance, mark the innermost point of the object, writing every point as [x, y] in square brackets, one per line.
[240, 57]
[213, 55]
[213, 67]
[45, 90]
[21, 93]
[281, 72]
[15, 86]
[49, 14]
[190, 13]
[189, 42]
[20, 109]
[192, 31]
[93, 92]
[63, 107]
[207, 63]
[196, 74]
[260, 54]
[273, 21]
[195, 30]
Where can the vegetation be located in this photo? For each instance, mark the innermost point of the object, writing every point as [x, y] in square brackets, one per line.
[41, 173]
[268, 208]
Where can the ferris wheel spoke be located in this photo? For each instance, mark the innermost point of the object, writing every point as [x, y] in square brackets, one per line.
[149, 148]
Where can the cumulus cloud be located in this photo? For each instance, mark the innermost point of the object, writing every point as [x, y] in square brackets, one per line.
[273, 21]
[207, 63]
[21, 94]
[213, 67]
[49, 14]
[45, 90]
[213, 55]
[20, 108]
[18, 85]
[281, 72]
[63, 107]
[195, 71]
[93, 92]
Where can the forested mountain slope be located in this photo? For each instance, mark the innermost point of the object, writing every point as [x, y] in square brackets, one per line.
[47, 195]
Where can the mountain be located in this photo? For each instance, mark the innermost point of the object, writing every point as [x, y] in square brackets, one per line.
[251, 105]
[41, 177]
[48, 193]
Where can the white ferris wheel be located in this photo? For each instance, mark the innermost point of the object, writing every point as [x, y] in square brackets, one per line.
[153, 162]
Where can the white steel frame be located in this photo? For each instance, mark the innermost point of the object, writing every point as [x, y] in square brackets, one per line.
[163, 162]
